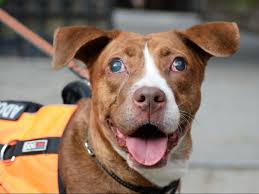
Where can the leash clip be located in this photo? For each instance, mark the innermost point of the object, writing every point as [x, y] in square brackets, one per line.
[89, 149]
[2, 152]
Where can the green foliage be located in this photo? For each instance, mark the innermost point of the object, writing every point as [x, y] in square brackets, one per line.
[233, 5]
[2, 2]
[245, 4]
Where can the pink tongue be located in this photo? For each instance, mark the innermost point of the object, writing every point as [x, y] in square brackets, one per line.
[147, 151]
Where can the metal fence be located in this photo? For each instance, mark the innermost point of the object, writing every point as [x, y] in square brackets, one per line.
[43, 17]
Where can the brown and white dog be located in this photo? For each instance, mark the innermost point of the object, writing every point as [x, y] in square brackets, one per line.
[146, 90]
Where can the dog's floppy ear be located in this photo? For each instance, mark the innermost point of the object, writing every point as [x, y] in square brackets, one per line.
[79, 42]
[219, 39]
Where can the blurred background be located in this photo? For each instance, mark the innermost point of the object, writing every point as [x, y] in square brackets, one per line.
[226, 129]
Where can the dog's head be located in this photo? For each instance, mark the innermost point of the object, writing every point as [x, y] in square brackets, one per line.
[146, 89]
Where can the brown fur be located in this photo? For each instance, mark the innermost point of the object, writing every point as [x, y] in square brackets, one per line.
[111, 99]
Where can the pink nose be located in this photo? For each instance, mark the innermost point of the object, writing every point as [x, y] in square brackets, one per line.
[149, 99]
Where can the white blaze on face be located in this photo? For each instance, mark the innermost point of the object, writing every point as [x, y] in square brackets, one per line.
[153, 78]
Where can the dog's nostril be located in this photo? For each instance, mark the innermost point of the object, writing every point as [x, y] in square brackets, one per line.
[142, 98]
[159, 98]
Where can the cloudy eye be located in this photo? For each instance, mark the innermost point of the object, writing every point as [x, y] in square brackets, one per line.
[178, 64]
[117, 66]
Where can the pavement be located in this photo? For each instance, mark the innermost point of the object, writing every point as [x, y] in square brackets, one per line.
[226, 129]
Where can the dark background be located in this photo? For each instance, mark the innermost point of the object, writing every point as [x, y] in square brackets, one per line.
[43, 16]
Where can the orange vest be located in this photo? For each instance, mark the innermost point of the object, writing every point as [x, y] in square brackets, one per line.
[33, 173]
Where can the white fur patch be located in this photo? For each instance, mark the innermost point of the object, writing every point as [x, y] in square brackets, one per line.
[153, 78]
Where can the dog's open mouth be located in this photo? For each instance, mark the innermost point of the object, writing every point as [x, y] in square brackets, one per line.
[148, 146]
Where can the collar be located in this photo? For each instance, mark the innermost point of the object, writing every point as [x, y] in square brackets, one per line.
[169, 189]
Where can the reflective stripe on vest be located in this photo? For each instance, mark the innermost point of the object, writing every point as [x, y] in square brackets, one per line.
[33, 173]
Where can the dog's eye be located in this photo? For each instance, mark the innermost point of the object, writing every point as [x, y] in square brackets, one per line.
[117, 66]
[178, 64]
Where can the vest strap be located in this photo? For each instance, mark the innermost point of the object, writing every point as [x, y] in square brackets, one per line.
[47, 145]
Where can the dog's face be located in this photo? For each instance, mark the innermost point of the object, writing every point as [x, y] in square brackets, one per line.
[147, 91]
[146, 88]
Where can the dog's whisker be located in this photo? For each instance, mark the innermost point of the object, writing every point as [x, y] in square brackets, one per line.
[192, 118]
